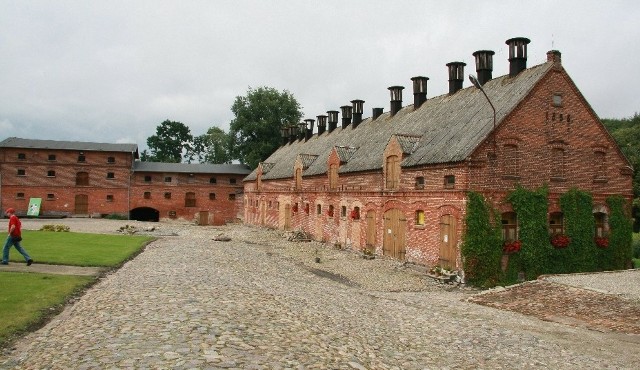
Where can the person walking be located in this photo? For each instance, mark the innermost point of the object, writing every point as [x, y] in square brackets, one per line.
[14, 238]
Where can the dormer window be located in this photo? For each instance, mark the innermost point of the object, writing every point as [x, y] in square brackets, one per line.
[420, 183]
[392, 172]
[449, 182]
[333, 176]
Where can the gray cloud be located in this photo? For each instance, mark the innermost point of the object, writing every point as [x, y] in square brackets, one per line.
[113, 70]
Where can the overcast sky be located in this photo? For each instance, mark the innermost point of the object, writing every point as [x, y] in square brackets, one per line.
[111, 71]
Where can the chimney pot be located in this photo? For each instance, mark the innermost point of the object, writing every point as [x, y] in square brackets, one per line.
[456, 76]
[293, 133]
[333, 119]
[309, 128]
[322, 124]
[357, 106]
[517, 55]
[377, 112]
[484, 65]
[396, 98]
[419, 90]
[346, 115]
[302, 130]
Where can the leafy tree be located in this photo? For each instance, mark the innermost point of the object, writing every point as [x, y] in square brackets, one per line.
[170, 141]
[212, 147]
[626, 132]
[255, 130]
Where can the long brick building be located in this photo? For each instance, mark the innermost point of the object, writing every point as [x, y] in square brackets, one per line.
[396, 183]
[97, 179]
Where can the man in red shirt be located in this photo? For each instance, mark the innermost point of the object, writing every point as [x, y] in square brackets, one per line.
[14, 238]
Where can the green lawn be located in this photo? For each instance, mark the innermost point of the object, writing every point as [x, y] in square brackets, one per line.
[78, 249]
[28, 299]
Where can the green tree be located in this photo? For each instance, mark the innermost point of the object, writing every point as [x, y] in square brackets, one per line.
[255, 130]
[212, 147]
[171, 140]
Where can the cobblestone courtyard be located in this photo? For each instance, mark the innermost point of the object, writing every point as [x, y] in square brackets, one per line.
[262, 302]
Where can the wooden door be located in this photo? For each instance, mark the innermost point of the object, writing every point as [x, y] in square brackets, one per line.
[203, 218]
[82, 204]
[448, 242]
[287, 216]
[395, 229]
[263, 212]
[371, 230]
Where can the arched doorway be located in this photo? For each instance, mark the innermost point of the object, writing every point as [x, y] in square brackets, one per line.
[287, 216]
[144, 214]
[395, 230]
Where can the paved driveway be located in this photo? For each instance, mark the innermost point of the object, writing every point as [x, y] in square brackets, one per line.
[261, 302]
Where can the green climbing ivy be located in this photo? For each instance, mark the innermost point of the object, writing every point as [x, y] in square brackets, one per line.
[577, 210]
[531, 208]
[619, 253]
[481, 247]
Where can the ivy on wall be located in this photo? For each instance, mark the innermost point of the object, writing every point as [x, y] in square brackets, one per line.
[531, 208]
[481, 246]
[579, 225]
[619, 253]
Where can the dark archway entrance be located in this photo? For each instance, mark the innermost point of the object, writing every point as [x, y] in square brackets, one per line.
[145, 214]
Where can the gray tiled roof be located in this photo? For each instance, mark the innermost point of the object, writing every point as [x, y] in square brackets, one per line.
[307, 159]
[449, 127]
[232, 169]
[16, 142]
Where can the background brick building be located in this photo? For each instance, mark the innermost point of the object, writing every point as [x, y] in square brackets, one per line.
[83, 179]
[396, 183]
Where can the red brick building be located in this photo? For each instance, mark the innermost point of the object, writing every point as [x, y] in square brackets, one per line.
[396, 183]
[99, 179]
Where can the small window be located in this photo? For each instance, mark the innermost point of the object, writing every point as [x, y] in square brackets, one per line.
[420, 182]
[19, 195]
[212, 180]
[111, 175]
[51, 196]
[319, 209]
[167, 179]
[509, 227]
[51, 173]
[419, 217]
[82, 158]
[343, 211]
[147, 178]
[111, 159]
[232, 181]
[109, 198]
[22, 172]
[22, 156]
[449, 182]
[330, 211]
[232, 196]
[355, 213]
[600, 219]
[557, 100]
[167, 195]
[556, 223]
[52, 157]
[190, 199]
[212, 196]
[147, 195]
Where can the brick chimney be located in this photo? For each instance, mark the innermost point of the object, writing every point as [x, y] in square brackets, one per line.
[346, 115]
[309, 130]
[396, 99]
[484, 65]
[517, 55]
[322, 124]
[554, 56]
[419, 91]
[456, 76]
[333, 119]
[293, 133]
[377, 112]
[357, 106]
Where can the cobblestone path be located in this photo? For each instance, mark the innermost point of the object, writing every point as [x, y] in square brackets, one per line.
[257, 302]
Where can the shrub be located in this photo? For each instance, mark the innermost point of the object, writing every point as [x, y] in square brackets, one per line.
[620, 233]
[55, 228]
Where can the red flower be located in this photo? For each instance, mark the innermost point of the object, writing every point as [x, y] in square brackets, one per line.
[560, 241]
[512, 247]
[602, 242]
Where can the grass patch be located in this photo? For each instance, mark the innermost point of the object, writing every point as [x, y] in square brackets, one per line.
[79, 249]
[28, 300]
